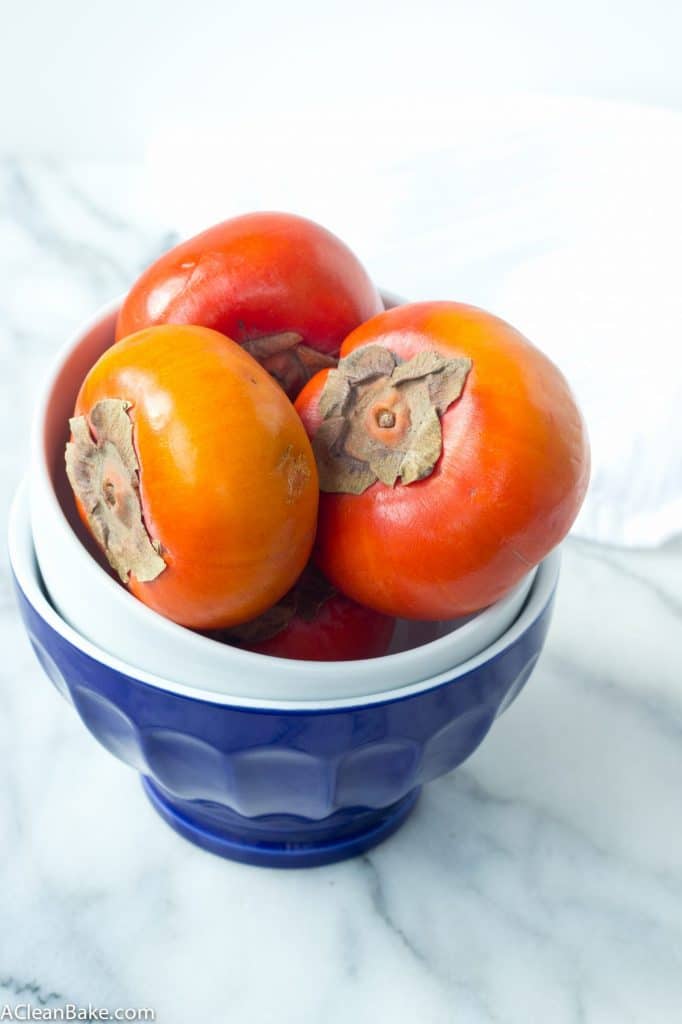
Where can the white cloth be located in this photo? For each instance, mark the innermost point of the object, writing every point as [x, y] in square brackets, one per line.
[562, 216]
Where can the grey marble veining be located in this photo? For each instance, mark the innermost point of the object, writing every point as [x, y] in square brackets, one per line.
[541, 882]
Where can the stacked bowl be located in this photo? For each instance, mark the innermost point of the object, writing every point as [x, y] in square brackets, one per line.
[264, 760]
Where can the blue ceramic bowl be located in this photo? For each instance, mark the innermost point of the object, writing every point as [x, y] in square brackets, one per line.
[280, 783]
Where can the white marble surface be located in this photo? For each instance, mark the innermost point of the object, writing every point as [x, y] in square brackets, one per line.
[539, 884]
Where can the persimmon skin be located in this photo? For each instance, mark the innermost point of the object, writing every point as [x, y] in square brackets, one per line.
[342, 630]
[508, 485]
[228, 484]
[257, 275]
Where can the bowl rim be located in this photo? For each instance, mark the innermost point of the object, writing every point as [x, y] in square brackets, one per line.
[25, 568]
[239, 659]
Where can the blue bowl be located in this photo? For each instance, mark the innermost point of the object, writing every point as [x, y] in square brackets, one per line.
[279, 783]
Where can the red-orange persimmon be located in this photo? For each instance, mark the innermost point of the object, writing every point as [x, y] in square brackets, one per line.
[314, 622]
[286, 288]
[453, 457]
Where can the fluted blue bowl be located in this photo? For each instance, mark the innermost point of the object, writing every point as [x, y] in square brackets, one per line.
[277, 782]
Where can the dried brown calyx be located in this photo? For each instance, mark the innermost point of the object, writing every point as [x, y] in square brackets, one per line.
[103, 471]
[304, 600]
[381, 417]
[288, 360]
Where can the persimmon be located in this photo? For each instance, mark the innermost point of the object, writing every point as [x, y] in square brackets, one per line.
[314, 622]
[282, 286]
[452, 459]
[193, 472]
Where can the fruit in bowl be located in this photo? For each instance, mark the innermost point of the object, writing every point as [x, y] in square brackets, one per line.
[451, 460]
[194, 474]
[282, 286]
[440, 422]
[315, 622]
[90, 597]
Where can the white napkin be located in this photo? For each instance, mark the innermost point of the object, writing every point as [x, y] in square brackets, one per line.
[562, 216]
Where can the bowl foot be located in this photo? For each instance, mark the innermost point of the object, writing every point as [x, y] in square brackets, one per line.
[279, 841]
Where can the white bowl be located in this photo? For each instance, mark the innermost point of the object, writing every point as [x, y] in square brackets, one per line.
[104, 612]
[29, 581]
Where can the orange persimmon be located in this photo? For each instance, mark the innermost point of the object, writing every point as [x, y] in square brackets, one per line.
[452, 459]
[194, 473]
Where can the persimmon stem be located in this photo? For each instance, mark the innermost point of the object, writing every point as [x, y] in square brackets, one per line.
[381, 417]
[385, 418]
[288, 359]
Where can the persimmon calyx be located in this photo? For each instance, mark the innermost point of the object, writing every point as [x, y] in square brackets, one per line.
[287, 359]
[305, 599]
[103, 471]
[381, 417]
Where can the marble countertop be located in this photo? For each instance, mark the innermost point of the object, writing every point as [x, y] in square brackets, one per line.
[541, 882]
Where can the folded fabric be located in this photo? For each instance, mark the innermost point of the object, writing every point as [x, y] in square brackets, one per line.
[562, 216]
